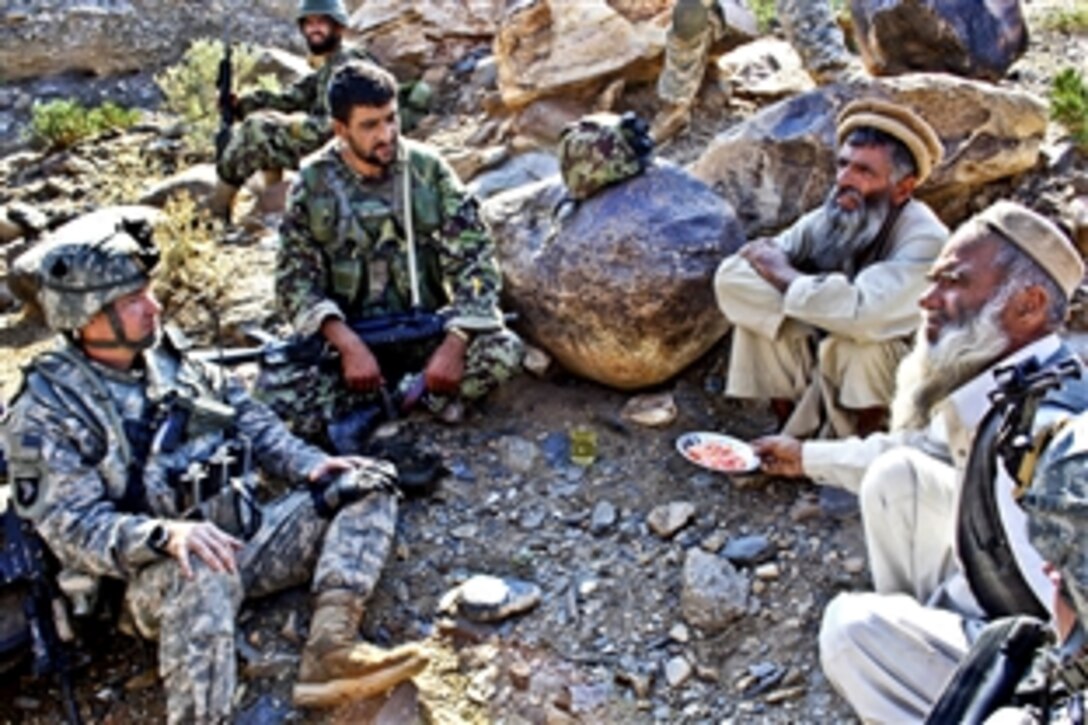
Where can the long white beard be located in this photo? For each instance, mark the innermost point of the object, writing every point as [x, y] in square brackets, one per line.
[930, 372]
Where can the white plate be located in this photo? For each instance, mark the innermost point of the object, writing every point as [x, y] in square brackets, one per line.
[688, 441]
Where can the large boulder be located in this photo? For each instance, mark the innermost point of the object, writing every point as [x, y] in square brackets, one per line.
[780, 162]
[544, 47]
[105, 38]
[965, 37]
[619, 290]
[410, 36]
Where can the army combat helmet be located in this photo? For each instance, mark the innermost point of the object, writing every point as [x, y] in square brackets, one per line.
[602, 149]
[78, 279]
[1057, 508]
[333, 8]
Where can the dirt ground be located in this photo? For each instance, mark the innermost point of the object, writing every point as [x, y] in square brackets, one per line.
[607, 635]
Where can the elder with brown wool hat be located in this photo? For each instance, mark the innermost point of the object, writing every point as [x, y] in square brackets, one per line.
[824, 311]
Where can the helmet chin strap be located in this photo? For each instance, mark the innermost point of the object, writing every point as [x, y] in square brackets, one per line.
[119, 339]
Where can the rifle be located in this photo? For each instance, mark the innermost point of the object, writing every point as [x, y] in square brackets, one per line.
[223, 84]
[24, 563]
[384, 331]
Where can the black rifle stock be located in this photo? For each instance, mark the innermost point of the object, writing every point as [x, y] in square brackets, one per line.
[24, 563]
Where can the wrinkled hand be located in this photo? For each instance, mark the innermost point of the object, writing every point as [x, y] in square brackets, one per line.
[360, 368]
[447, 366]
[770, 262]
[208, 542]
[779, 455]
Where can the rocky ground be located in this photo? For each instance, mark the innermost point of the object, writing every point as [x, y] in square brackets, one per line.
[608, 544]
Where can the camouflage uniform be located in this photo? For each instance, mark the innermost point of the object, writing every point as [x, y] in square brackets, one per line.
[809, 25]
[79, 429]
[290, 125]
[343, 254]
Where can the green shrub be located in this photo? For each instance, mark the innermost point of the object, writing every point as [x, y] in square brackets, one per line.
[1072, 20]
[64, 122]
[1069, 104]
[190, 91]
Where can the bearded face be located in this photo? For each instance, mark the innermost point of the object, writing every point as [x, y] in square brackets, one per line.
[322, 34]
[843, 231]
[933, 369]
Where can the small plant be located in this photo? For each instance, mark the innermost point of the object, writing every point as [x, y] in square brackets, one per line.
[1072, 20]
[65, 122]
[190, 91]
[1069, 104]
[188, 277]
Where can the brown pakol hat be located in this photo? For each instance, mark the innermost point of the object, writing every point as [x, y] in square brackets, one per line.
[899, 122]
[1040, 239]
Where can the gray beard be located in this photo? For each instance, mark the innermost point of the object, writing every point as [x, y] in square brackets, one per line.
[930, 372]
[839, 235]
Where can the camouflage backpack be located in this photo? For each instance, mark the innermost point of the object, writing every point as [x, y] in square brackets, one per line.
[602, 149]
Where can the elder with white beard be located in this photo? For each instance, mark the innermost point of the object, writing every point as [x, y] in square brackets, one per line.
[997, 295]
[823, 313]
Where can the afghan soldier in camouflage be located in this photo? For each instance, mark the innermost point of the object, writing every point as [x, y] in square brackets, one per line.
[280, 128]
[119, 486]
[360, 210]
[697, 25]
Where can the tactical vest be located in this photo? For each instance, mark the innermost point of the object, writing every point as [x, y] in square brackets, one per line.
[983, 546]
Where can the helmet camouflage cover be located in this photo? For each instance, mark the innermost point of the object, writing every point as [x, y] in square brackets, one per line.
[1057, 508]
[333, 8]
[78, 279]
[602, 149]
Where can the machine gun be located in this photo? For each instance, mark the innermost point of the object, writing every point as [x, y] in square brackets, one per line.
[27, 572]
[223, 84]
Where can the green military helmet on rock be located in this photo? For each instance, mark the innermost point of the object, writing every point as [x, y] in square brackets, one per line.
[1057, 509]
[79, 279]
[602, 149]
[335, 9]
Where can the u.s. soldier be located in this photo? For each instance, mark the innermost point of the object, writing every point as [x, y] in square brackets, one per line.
[135, 463]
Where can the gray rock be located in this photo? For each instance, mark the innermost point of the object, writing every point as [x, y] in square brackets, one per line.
[713, 593]
[962, 37]
[518, 171]
[619, 291]
[197, 181]
[780, 162]
[517, 454]
[666, 520]
[749, 550]
[603, 518]
[677, 671]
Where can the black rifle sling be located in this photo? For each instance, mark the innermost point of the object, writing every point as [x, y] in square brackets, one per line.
[988, 560]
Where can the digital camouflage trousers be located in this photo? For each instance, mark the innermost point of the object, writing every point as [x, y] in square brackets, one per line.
[194, 619]
[270, 140]
[309, 397]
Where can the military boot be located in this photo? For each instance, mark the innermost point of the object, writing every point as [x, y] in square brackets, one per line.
[337, 667]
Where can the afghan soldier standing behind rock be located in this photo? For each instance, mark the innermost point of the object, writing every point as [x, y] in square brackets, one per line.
[823, 313]
[135, 463]
[699, 24]
[377, 224]
[292, 123]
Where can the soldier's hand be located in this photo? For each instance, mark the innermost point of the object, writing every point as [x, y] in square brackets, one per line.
[447, 366]
[360, 368]
[779, 455]
[206, 541]
[337, 464]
